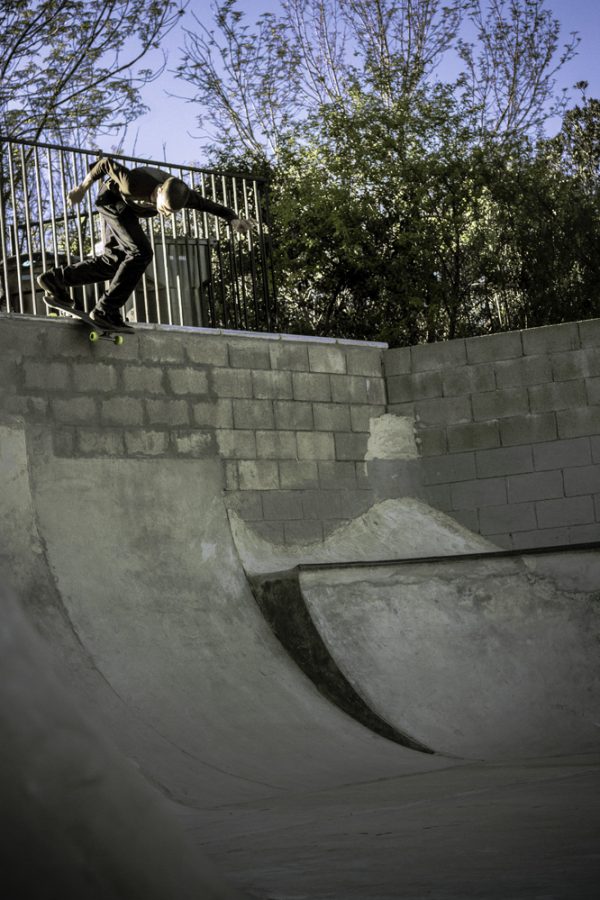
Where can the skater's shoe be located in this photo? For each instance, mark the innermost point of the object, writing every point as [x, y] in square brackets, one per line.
[110, 319]
[55, 290]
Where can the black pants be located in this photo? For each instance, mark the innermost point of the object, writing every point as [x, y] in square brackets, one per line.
[127, 252]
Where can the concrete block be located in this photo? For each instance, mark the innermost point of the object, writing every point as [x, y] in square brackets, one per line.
[283, 505]
[197, 444]
[397, 361]
[562, 454]
[432, 441]
[557, 396]
[231, 476]
[298, 475]
[188, 381]
[595, 445]
[54, 376]
[491, 347]
[258, 475]
[376, 391]
[350, 446]
[468, 518]
[336, 475]
[504, 461]
[126, 411]
[170, 413]
[364, 361]
[439, 496]
[64, 442]
[420, 386]
[440, 356]
[582, 480]
[504, 541]
[529, 429]
[535, 486]
[315, 445]
[363, 479]
[541, 537]
[207, 350]
[449, 468]
[252, 354]
[143, 379]
[356, 503]
[270, 531]
[474, 379]
[297, 416]
[143, 442]
[401, 409]
[578, 422]
[166, 346]
[247, 504]
[267, 385]
[326, 358]
[444, 411]
[473, 436]
[236, 444]
[276, 445]
[500, 404]
[289, 357]
[589, 333]
[511, 518]
[575, 364]
[303, 532]
[360, 416]
[592, 386]
[96, 377]
[349, 389]
[322, 505]
[213, 413]
[523, 372]
[550, 339]
[567, 511]
[92, 442]
[75, 411]
[479, 492]
[583, 534]
[253, 414]
[311, 386]
[231, 382]
[332, 416]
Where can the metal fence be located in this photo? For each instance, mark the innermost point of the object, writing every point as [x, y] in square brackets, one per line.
[201, 274]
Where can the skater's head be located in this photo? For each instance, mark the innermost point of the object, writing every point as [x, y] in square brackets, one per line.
[172, 195]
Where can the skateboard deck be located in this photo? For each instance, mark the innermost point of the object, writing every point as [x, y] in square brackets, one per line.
[97, 333]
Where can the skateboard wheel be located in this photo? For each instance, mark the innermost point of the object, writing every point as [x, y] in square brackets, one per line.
[94, 336]
[119, 339]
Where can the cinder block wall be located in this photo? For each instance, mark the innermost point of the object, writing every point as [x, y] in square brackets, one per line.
[508, 425]
[509, 430]
[288, 417]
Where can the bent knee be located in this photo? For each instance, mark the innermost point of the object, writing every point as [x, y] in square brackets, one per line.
[142, 255]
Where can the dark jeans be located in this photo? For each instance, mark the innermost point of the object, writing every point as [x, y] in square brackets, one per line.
[127, 252]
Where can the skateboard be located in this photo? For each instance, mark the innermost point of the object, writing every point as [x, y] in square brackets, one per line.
[97, 333]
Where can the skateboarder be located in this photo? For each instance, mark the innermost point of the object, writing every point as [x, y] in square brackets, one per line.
[127, 195]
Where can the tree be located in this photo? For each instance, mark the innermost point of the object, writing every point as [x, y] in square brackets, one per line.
[67, 67]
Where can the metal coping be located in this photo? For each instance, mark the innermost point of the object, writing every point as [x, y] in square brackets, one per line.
[458, 557]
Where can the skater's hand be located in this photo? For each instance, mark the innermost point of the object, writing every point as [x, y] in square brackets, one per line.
[243, 226]
[76, 195]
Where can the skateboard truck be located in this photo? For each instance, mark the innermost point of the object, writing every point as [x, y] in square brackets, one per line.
[97, 333]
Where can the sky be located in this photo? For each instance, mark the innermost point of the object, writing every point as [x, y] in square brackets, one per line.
[169, 130]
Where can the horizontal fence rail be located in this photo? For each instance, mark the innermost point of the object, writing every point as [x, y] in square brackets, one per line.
[201, 273]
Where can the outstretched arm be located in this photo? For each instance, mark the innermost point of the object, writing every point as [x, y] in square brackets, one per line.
[105, 166]
[203, 204]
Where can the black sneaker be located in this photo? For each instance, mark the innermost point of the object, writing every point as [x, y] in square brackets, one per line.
[55, 290]
[110, 319]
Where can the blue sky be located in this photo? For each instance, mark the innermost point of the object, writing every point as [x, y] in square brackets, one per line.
[169, 131]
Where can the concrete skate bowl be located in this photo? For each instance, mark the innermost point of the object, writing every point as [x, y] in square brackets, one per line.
[128, 570]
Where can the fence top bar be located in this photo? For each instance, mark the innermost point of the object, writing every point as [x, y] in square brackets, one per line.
[136, 159]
